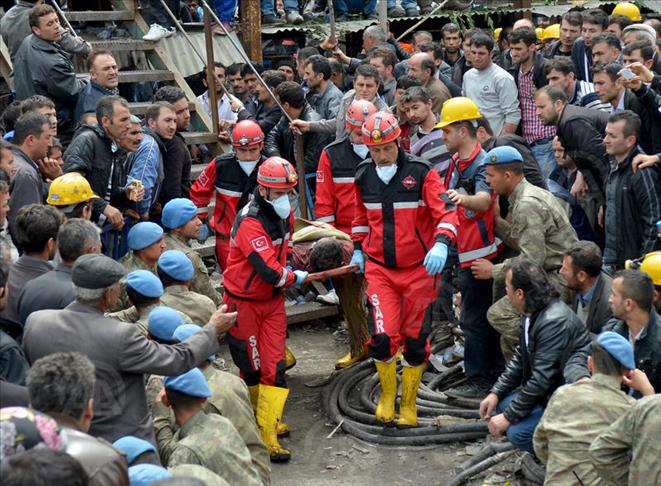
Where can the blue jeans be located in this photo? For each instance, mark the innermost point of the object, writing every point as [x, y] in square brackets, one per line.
[225, 9]
[543, 153]
[520, 433]
[405, 4]
[268, 6]
[343, 7]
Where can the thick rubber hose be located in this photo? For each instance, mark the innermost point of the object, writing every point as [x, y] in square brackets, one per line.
[460, 478]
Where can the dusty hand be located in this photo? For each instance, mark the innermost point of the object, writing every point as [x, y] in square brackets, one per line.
[328, 44]
[114, 216]
[580, 187]
[300, 125]
[455, 197]
[642, 161]
[637, 379]
[488, 405]
[482, 269]
[341, 56]
[235, 105]
[223, 320]
[49, 168]
[498, 425]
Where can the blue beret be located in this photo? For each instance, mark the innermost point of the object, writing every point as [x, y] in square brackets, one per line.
[503, 155]
[145, 283]
[185, 331]
[145, 474]
[143, 235]
[162, 323]
[133, 447]
[618, 347]
[176, 265]
[178, 212]
[192, 383]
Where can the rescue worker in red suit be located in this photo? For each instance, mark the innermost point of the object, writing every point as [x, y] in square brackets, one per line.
[233, 177]
[255, 275]
[468, 190]
[401, 230]
[334, 199]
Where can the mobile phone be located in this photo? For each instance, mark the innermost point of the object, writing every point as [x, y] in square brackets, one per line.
[626, 73]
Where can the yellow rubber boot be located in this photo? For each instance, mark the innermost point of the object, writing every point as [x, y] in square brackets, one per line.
[408, 412]
[385, 410]
[283, 429]
[290, 359]
[270, 407]
[350, 359]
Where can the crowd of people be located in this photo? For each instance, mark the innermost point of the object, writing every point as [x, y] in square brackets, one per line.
[513, 174]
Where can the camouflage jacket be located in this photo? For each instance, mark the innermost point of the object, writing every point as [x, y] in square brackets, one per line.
[141, 317]
[130, 262]
[196, 306]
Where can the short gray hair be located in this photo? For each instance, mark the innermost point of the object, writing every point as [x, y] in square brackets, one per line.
[90, 296]
[61, 383]
[75, 237]
[375, 32]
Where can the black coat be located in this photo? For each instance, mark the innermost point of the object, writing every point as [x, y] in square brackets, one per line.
[581, 133]
[599, 312]
[557, 351]
[538, 74]
[176, 168]
[579, 52]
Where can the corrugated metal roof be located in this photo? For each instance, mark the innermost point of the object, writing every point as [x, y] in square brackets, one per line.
[322, 29]
[188, 63]
[652, 5]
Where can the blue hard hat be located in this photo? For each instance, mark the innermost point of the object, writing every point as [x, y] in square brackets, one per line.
[162, 323]
[618, 347]
[178, 212]
[176, 265]
[144, 234]
[192, 383]
[145, 283]
[503, 155]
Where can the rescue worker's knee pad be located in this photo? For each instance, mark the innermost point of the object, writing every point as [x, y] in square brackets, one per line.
[379, 347]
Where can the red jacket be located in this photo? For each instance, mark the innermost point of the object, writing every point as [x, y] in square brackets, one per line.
[335, 197]
[259, 248]
[476, 237]
[233, 189]
[397, 224]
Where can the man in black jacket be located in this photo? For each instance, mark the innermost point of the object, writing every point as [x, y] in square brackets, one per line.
[281, 141]
[636, 320]
[579, 130]
[266, 111]
[633, 203]
[95, 153]
[553, 350]
[594, 23]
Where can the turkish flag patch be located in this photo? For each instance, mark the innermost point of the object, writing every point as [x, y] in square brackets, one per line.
[408, 182]
[260, 244]
[320, 176]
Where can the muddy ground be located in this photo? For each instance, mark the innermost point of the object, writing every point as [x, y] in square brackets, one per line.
[343, 460]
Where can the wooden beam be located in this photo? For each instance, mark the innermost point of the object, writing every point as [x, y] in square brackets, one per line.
[251, 29]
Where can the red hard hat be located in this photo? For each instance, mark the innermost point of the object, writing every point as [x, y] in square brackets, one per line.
[246, 133]
[357, 113]
[380, 127]
[277, 173]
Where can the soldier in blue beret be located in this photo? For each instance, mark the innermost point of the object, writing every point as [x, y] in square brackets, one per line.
[162, 323]
[137, 450]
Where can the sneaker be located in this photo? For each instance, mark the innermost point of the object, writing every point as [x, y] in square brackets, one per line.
[395, 12]
[468, 390]
[330, 298]
[412, 12]
[157, 32]
[270, 19]
[293, 17]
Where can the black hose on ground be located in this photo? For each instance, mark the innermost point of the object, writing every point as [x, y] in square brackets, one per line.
[460, 478]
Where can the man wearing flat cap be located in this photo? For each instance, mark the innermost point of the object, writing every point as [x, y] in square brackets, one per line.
[577, 413]
[120, 353]
[180, 220]
[538, 228]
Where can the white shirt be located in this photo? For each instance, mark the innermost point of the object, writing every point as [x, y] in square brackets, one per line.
[224, 110]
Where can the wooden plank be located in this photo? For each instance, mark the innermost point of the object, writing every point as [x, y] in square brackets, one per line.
[140, 76]
[251, 29]
[99, 15]
[123, 45]
[309, 311]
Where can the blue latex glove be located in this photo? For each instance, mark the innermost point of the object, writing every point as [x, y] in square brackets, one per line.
[300, 277]
[358, 258]
[435, 259]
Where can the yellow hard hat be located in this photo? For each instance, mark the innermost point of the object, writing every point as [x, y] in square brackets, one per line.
[496, 33]
[70, 189]
[458, 109]
[551, 32]
[540, 33]
[629, 9]
[651, 265]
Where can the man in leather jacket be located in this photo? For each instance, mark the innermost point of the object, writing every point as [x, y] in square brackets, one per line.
[553, 351]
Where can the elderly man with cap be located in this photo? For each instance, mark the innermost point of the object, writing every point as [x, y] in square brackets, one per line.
[146, 244]
[180, 219]
[577, 413]
[144, 291]
[120, 353]
[72, 195]
[206, 440]
[176, 273]
[538, 227]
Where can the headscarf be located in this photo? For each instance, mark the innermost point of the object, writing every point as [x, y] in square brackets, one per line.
[22, 429]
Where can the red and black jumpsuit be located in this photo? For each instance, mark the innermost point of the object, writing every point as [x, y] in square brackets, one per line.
[253, 279]
[395, 225]
[334, 201]
[233, 190]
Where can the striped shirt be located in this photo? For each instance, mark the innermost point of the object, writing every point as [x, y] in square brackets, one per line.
[531, 123]
[431, 147]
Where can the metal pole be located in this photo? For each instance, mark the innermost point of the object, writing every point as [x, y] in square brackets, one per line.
[63, 17]
[420, 22]
[382, 14]
[211, 74]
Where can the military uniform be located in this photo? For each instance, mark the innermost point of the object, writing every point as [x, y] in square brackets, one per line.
[198, 472]
[198, 307]
[539, 230]
[141, 317]
[210, 441]
[574, 417]
[130, 262]
[201, 282]
[628, 451]
[231, 400]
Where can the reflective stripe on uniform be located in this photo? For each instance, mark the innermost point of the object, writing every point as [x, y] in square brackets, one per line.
[407, 205]
[471, 255]
[227, 192]
[283, 279]
[449, 227]
[372, 206]
[343, 180]
[359, 229]
[326, 219]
